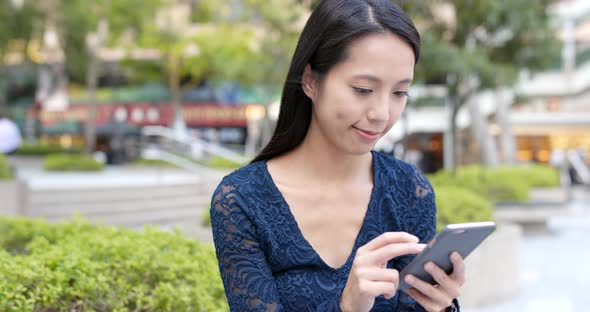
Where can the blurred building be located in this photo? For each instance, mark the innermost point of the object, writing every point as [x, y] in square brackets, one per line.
[216, 111]
[556, 113]
[547, 111]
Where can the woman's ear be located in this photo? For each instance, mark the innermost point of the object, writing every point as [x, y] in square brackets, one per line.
[308, 83]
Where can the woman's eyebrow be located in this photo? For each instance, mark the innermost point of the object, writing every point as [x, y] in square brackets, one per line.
[375, 79]
[368, 77]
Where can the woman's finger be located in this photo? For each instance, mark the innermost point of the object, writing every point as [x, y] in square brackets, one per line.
[388, 252]
[458, 268]
[387, 239]
[445, 282]
[423, 300]
[380, 275]
[431, 292]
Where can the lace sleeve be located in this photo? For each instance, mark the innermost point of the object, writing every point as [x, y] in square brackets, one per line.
[247, 278]
[422, 223]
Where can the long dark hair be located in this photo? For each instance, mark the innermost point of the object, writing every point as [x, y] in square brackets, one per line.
[332, 26]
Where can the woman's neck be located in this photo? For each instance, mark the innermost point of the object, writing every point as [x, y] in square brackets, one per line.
[322, 161]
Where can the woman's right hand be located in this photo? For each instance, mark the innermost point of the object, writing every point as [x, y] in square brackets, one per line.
[369, 276]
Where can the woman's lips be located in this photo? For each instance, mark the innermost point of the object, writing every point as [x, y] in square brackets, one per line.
[366, 134]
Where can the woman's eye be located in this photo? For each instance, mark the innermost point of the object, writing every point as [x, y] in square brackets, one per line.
[401, 93]
[362, 91]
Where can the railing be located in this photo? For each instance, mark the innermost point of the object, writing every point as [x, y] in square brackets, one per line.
[579, 166]
[153, 152]
[192, 147]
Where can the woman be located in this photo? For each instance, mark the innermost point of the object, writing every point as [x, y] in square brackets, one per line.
[319, 222]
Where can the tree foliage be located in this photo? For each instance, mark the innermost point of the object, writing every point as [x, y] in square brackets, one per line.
[489, 39]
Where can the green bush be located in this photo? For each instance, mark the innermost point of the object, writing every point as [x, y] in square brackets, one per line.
[71, 162]
[504, 188]
[460, 205]
[5, 172]
[533, 175]
[78, 266]
[493, 184]
[43, 149]
[206, 218]
[153, 162]
[222, 163]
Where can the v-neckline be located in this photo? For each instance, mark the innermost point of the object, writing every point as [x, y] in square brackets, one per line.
[292, 219]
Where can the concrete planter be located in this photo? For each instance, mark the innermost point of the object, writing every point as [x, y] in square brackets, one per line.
[533, 215]
[492, 270]
[550, 194]
[10, 197]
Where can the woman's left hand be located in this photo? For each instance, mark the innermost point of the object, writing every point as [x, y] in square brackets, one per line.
[438, 298]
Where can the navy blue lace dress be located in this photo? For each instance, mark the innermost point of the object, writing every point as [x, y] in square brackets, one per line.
[267, 264]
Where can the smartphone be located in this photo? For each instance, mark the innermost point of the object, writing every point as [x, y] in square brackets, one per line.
[462, 238]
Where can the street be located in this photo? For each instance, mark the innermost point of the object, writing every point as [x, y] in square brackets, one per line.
[554, 271]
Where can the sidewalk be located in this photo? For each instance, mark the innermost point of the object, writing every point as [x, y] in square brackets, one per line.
[30, 169]
[554, 274]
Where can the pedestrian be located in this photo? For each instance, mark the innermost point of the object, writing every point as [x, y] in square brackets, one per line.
[10, 137]
[318, 221]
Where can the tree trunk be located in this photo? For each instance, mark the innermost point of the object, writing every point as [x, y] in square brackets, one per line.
[480, 130]
[92, 82]
[455, 106]
[266, 125]
[3, 88]
[508, 144]
[174, 82]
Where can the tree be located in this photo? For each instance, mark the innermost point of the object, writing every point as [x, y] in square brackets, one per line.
[94, 25]
[481, 45]
[249, 42]
[74, 21]
[17, 33]
[283, 22]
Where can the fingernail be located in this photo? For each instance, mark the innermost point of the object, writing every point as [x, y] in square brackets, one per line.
[456, 256]
[415, 239]
[409, 279]
[428, 266]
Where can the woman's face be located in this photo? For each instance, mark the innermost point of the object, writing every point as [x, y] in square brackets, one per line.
[361, 98]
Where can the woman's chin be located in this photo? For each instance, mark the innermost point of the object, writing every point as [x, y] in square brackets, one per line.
[359, 150]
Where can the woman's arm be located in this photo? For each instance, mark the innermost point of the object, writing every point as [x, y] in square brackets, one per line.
[423, 226]
[247, 278]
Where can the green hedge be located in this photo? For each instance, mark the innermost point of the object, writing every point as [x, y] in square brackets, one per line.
[532, 175]
[78, 266]
[5, 172]
[43, 149]
[153, 162]
[222, 163]
[459, 205]
[493, 184]
[71, 162]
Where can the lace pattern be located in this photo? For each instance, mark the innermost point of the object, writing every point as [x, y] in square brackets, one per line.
[267, 265]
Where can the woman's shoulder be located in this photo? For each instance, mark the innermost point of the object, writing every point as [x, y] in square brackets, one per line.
[396, 167]
[400, 173]
[246, 179]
